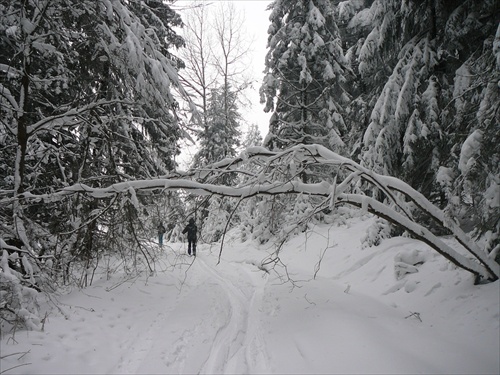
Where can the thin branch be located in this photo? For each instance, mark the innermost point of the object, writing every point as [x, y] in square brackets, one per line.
[227, 226]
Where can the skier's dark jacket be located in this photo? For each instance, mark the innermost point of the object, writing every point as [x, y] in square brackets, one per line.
[191, 230]
[161, 228]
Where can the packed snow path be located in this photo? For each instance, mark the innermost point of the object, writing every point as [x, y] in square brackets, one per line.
[211, 329]
[238, 343]
[194, 316]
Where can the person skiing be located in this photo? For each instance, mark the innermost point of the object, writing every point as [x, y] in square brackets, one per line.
[191, 230]
[161, 231]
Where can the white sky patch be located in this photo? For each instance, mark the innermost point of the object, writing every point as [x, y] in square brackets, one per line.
[256, 24]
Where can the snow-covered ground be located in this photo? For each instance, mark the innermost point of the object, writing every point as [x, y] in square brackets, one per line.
[194, 316]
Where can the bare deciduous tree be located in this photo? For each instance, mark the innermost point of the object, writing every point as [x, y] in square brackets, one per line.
[199, 76]
[232, 50]
[215, 52]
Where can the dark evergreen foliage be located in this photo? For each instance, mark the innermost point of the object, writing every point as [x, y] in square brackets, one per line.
[422, 89]
[86, 96]
[304, 76]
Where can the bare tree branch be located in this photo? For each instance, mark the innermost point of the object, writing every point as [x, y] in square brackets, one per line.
[265, 183]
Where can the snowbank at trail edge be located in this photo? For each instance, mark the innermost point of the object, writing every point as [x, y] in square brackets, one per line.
[398, 308]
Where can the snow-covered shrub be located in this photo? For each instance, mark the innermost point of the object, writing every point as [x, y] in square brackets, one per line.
[407, 262]
[176, 234]
[445, 177]
[491, 242]
[341, 216]
[215, 223]
[266, 218]
[246, 214]
[18, 302]
[296, 220]
[379, 230]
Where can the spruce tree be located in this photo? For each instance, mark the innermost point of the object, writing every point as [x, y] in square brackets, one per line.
[87, 97]
[220, 137]
[425, 72]
[304, 76]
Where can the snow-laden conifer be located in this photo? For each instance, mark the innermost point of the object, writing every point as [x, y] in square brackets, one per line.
[88, 98]
[304, 75]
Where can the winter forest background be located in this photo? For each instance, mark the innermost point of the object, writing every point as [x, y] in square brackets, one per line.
[392, 106]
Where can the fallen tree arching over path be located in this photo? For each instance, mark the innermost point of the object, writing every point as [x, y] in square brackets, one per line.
[277, 173]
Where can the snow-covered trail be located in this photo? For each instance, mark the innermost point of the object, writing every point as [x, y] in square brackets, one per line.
[213, 327]
[238, 345]
[195, 316]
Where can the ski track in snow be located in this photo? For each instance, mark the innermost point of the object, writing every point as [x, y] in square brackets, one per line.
[192, 316]
[238, 343]
[137, 353]
[222, 335]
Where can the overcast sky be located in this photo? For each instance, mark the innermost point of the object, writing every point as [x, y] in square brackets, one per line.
[256, 25]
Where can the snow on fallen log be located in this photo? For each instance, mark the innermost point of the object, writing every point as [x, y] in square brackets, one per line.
[264, 182]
